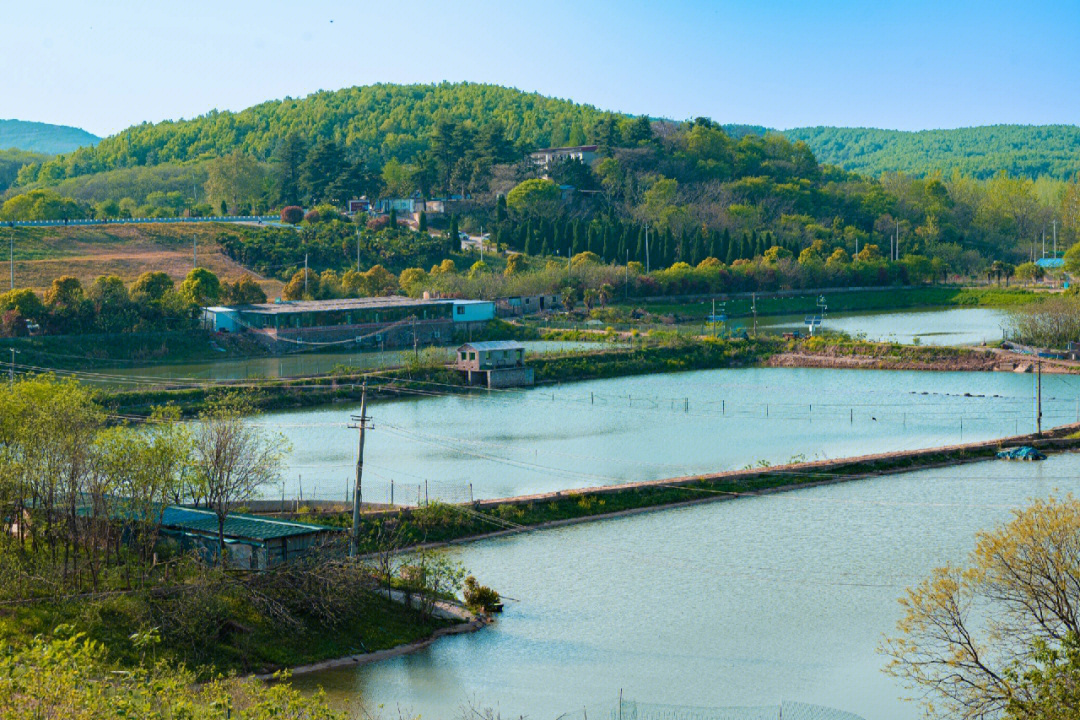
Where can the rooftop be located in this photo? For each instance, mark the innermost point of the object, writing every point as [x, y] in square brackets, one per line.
[236, 525]
[297, 306]
[494, 345]
[570, 148]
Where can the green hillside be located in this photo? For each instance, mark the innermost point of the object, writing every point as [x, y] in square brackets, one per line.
[981, 152]
[384, 120]
[42, 137]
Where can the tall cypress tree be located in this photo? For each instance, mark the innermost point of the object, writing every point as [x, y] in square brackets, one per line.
[640, 254]
[729, 248]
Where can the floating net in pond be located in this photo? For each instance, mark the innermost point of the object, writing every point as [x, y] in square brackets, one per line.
[631, 710]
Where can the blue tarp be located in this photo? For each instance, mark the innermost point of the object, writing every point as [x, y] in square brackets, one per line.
[1025, 452]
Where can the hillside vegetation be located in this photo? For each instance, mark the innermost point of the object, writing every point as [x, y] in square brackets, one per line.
[384, 120]
[43, 137]
[980, 152]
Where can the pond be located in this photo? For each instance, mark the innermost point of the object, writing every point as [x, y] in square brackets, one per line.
[951, 326]
[751, 602]
[504, 443]
[302, 365]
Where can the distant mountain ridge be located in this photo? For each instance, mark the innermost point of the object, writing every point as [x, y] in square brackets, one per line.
[1026, 150]
[42, 137]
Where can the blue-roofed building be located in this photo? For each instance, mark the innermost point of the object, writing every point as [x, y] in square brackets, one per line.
[252, 542]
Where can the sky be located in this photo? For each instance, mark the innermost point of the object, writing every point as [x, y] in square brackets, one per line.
[909, 65]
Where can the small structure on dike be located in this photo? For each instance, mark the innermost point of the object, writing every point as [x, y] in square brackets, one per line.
[252, 542]
[496, 363]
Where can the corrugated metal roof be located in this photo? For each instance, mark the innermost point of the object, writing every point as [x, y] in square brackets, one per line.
[494, 345]
[236, 525]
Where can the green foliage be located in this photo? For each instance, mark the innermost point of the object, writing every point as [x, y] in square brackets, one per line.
[982, 152]
[534, 196]
[391, 121]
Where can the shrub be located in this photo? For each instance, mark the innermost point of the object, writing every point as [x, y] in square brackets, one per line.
[480, 597]
[292, 214]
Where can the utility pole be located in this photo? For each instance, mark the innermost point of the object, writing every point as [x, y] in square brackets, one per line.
[753, 308]
[1038, 401]
[194, 251]
[1044, 242]
[11, 368]
[1055, 238]
[360, 422]
[357, 249]
[897, 240]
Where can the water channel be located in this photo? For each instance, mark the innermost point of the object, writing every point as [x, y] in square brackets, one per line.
[949, 326]
[505, 443]
[748, 602]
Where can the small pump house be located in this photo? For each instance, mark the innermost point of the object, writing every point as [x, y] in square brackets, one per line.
[497, 363]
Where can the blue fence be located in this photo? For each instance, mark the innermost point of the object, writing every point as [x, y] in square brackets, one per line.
[141, 221]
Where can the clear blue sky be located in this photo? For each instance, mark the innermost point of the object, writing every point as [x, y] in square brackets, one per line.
[908, 64]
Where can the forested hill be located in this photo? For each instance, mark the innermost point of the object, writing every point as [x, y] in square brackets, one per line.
[383, 121]
[981, 152]
[42, 137]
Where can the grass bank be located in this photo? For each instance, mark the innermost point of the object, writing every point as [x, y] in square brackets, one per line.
[223, 626]
[126, 350]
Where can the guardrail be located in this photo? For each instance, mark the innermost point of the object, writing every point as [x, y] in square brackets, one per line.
[139, 221]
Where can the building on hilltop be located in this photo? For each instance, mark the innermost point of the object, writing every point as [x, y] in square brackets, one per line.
[544, 157]
[496, 363]
[374, 323]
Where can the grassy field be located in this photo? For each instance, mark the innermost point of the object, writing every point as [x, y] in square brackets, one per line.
[42, 254]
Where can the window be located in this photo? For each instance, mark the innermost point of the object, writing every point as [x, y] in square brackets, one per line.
[460, 309]
[472, 356]
[464, 355]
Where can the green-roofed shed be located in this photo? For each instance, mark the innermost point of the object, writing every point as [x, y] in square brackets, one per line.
[252, 542]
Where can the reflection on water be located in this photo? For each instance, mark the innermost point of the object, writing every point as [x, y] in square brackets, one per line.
[962, 326]
[302, 365]
[498, 444]
[750, 602]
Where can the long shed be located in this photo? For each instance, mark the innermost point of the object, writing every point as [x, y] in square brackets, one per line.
[252, 542]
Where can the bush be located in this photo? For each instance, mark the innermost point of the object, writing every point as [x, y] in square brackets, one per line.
[292, 214]
[480, 597]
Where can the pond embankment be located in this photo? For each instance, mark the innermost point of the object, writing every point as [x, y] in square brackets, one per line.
[442, 524]
[703, 354]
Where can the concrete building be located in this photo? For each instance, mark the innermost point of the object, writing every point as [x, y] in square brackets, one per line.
[544, 157]
[252, 542]
[376, 323]
[526, 305]
[495, 363]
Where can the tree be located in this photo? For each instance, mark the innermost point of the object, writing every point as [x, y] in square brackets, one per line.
[232, 458]
[201, 287]
[292, 214]
[233, 180]
[515, 263]
[570, 297]
[73, 677]
[303, 285]
[245, 291]
[1029, 272]
[534, 197]
[150, 287]
[1000, 633]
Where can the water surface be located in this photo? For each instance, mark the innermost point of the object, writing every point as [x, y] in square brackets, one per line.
[750, 602]
[504, 443]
